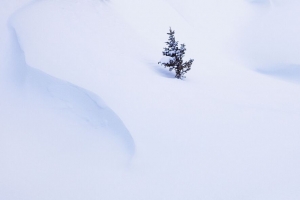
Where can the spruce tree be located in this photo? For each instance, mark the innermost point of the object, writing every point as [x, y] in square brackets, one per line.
[175, 57]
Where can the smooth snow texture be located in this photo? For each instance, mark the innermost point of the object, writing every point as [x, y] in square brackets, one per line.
[225, 132]
[52, 131]
[165, 59]
[270, 43]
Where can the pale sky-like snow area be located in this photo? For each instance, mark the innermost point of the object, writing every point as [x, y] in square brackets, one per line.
[87, 113]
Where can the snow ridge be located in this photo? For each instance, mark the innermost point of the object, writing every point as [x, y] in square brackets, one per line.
[62, 95]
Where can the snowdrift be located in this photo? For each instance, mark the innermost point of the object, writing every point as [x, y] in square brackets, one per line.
[269, 42]
[52, 132]
[224, 132]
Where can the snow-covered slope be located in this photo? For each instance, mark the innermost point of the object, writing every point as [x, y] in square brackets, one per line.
[271, 37]
[225, 132]
[51, 130]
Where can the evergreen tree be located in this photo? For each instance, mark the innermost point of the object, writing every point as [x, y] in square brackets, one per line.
[175, 57]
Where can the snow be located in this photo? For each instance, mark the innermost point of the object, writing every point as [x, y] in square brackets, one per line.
[273, 38]
[166, 59]
[87, 113]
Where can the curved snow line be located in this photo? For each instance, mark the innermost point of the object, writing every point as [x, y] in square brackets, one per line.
[63, 95]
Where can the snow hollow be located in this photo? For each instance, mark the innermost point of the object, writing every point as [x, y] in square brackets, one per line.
[87, 113]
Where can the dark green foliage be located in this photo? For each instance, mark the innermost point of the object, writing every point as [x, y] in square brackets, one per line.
[175, 56]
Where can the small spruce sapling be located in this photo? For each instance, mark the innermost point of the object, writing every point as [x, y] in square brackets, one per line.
[174, 57]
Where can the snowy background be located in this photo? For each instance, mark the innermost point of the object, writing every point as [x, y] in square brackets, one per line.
[87, 113]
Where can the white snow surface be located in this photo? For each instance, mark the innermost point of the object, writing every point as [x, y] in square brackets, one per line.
[166, 59]
[87, 113]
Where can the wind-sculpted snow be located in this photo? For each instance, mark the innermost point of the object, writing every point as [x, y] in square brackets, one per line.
[79, 102]
[225, 132]
[269, 41]
[72, 40]
[285, 72]
[53, 134]
[63, 95]
[52, 131]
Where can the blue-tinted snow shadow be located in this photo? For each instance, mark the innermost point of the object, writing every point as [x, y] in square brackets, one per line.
[79, 102]
[287, 72]
[161, 70]
[259, 2]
